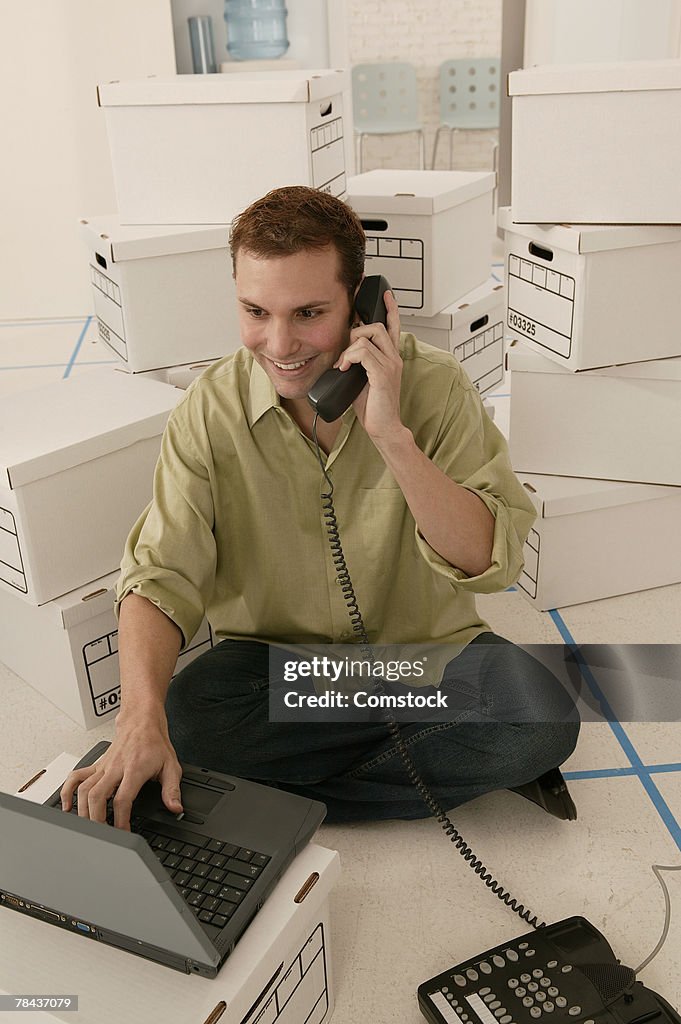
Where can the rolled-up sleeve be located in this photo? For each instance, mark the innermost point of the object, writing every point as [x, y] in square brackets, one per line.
[471, 450]
[170, 554]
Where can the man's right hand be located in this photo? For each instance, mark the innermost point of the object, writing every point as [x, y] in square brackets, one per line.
[141, 750]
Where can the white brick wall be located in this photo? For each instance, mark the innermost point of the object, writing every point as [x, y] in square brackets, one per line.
[425, 32]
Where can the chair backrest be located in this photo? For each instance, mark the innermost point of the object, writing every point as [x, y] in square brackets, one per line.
[469, 93]
[384, 92]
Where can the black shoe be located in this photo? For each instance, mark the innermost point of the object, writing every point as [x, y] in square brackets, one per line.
[550, 792]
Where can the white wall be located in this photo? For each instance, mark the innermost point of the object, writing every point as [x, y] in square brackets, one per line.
[425, 32]
[578, 31]
[56, 165]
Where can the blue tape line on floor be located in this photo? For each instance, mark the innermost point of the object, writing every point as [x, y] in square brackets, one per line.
[74, 354]
[639, 769]
[613, 773]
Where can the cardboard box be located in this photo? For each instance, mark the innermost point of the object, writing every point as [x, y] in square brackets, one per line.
[473, 330]
[281, 969]
[620, 423]
[597, 143]
[428, 232]
[197, 149]
[77, 458]
[178, 376]
[67, 649]
[593, 296]
[597, 538]
[163, 296]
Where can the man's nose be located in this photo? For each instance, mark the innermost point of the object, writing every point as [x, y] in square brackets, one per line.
[281, 340]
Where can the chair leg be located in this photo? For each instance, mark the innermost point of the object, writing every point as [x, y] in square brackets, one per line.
[451, 148]
[435, 145]
[422, 150]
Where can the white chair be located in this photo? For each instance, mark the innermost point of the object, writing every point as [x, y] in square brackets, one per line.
[385, 102]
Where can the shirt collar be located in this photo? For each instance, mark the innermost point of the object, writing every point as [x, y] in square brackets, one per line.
[261, 394]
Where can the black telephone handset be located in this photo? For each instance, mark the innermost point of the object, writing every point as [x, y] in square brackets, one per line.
[335, 390]
[565, 973]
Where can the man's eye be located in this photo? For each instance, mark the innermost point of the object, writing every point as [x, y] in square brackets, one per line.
[309, 314]
[255, 312]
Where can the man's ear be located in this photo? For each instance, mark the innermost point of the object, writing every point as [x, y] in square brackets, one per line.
[355, 320]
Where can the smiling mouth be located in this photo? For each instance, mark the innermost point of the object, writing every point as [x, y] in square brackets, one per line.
[287, 367]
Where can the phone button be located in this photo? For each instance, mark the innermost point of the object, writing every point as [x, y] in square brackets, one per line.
[472, 974]
[460, 980]
[485, 967]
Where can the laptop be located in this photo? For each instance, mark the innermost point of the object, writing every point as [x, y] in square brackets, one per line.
[178, 892]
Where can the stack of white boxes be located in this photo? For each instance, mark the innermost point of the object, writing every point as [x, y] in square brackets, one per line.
[430, 234]
[188, 154]
[593, 264]
[77, 459]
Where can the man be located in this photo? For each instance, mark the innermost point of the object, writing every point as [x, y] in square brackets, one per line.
[430, 513]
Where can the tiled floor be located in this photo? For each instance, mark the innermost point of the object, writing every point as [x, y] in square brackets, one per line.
[407, 907]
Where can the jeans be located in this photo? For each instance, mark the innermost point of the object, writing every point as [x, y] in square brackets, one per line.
[217, 709]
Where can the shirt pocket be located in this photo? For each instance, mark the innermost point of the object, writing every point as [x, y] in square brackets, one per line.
[384, 518]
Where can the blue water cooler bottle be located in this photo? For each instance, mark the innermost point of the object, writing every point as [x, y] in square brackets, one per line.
[256, 29]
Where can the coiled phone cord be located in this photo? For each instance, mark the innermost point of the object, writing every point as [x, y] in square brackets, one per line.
[359, 629]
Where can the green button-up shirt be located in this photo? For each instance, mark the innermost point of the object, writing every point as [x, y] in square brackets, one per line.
[236, 528]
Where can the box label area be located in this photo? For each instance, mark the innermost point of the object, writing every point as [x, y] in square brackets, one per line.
[303, 992]
[109, 312]
[100, 658]
[11, 562]
[482, 357]
[530, 575]
[400, 260]
[541, 304]
[328, 157]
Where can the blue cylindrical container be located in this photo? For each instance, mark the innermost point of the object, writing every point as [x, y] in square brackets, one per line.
[256, 29]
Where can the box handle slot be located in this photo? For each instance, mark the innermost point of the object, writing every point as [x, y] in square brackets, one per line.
[325, 108]
[101, 261]
[529, 487]
[540, 251]
[477, 324]
[374, 225]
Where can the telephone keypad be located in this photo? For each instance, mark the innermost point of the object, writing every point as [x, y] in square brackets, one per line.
[536, 988]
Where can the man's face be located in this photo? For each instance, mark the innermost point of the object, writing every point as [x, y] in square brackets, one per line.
[294, 315]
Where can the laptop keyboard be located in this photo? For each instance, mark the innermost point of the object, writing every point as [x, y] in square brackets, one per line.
[211, 875]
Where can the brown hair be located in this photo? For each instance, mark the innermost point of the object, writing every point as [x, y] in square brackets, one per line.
[296, 217]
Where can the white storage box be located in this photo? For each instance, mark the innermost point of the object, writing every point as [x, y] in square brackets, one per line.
[197, 149]
[622, 423]
[596, 538]
[473, 330]
[76, 466]
[428, 232]
[597, 143]
[178, 376]
[67, 649]
[281, 969]
[594, 296]
[163, 296]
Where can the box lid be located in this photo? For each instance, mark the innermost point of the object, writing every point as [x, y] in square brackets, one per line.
[566, 495]
[476, 302]
[68, 422]
[119, 242]
[415, 192]
[621, 76]
[87, 602]
[583, 238]
[521, 358]
[290, 86]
